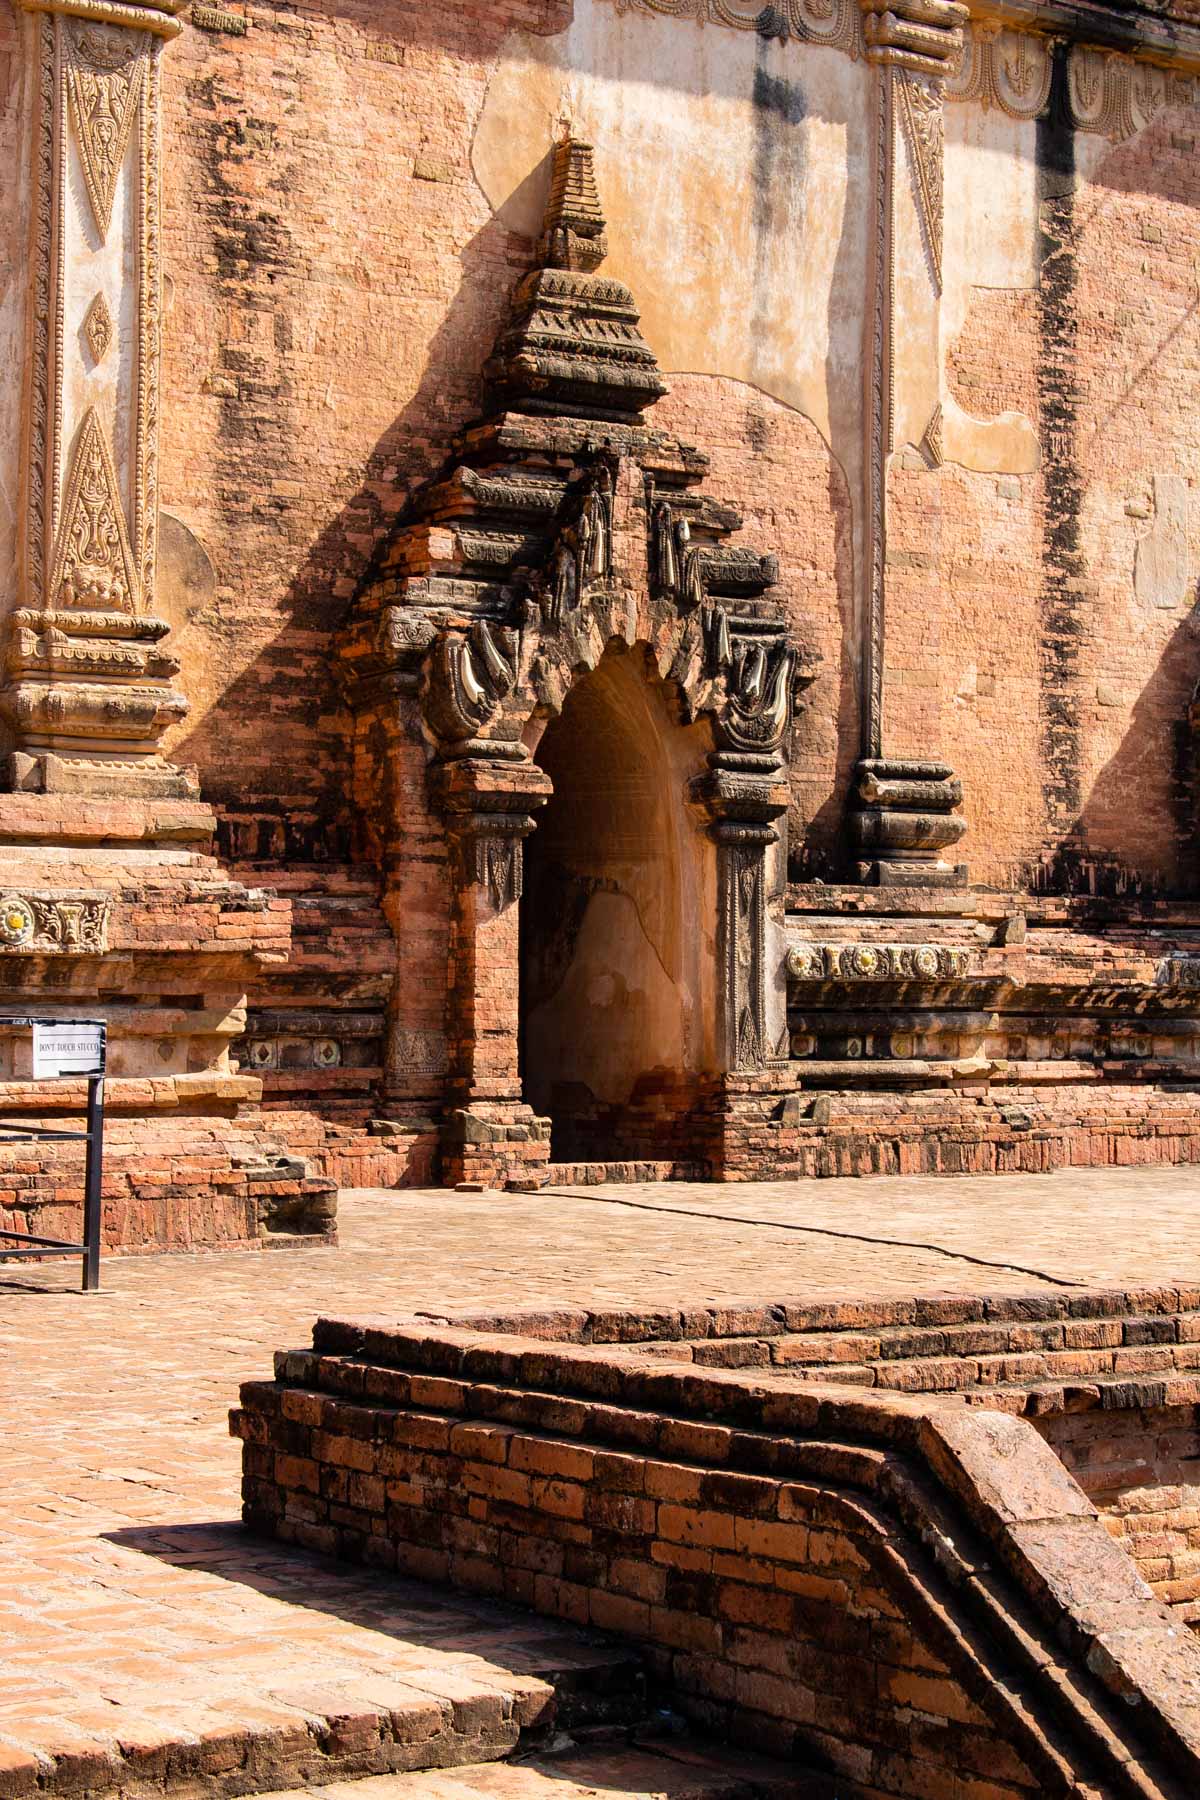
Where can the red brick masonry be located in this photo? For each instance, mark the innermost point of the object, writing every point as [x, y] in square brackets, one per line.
[911, 1592]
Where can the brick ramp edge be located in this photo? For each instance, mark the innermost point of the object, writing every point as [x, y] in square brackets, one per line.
[976, 1523]
[309, 1735]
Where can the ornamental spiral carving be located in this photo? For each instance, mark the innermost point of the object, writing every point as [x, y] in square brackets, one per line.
[876, 962]
[37, 925]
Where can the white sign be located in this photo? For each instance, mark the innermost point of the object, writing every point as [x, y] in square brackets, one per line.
[68, 1049]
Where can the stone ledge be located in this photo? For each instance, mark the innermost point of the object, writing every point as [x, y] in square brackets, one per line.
[315, 1731]
[58, 820]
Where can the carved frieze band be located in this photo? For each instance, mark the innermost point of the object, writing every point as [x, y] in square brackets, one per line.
[833, 22]
[37, 925]
[1109, 94]
[876, 962]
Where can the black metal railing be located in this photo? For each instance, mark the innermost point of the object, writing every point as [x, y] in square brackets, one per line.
[20, 1131]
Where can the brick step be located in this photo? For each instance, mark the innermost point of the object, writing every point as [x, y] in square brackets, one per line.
[292, 1730]
[595, 1174]
[1091, 1341]
[673, 1768]
[785, 1572]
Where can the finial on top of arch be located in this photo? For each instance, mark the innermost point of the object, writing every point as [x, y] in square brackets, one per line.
[573, 237]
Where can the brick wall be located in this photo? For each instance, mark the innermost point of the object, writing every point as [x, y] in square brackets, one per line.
[335, 282]
[321, 348]
[1142, 1469]
[1070, 641]
[803, 1568]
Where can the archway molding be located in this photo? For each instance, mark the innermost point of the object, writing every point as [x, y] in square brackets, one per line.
[563, 524]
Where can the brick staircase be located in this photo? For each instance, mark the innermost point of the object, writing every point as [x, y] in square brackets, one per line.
[907, 1589]
[669, 1768]
[1028, 1353]
[581, 1717]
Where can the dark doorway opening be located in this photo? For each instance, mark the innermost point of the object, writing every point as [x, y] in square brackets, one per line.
[617, 922]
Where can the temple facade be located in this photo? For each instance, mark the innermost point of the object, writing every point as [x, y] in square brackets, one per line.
[597, 587]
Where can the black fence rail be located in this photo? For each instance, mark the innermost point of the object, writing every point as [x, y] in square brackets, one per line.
[14, 1244]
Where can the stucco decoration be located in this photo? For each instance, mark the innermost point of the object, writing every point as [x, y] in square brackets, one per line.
[921, 112]
[876, 962]
[571, 522]
[1111, 95]
[46, 925]
[86, 690]
[105, 70]
[831, 22]
[98, 328]
[93, 565]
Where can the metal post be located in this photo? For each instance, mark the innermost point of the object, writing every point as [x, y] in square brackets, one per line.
[91, 1184]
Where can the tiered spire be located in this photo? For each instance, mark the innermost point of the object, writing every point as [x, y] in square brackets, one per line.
[573, 345]
[573, 237]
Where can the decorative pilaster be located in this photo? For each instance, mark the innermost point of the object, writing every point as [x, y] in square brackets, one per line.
[914, 46]
[744, 793]
[489, 804]
[87, 688]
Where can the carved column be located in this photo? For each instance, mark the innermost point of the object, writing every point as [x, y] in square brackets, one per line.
[902, 820]
[744, 793]
[87, 688]
[742, 845]
[489, 803]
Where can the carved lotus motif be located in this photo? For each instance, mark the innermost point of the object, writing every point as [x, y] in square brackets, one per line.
[98, 328]
[16, 920]
[883, 962]
[53, 926]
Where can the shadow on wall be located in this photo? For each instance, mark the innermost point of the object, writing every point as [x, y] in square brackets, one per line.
[295, 801]
[1136, 833]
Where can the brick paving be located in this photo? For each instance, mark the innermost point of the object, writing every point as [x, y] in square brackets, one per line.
[132, 1606]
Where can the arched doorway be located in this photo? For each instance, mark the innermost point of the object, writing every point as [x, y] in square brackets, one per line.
[618, 922]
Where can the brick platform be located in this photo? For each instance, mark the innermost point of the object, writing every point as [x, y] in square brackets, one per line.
[913, 1595]
[125, 1584]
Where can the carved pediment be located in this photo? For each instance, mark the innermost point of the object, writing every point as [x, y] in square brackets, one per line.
[93, 562]
[105, 70]
[567, 519]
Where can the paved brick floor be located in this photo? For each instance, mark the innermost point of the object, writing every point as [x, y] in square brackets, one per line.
[129, 1602]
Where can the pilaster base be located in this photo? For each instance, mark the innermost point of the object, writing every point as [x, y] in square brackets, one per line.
[493, 1144]
[904, 819]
